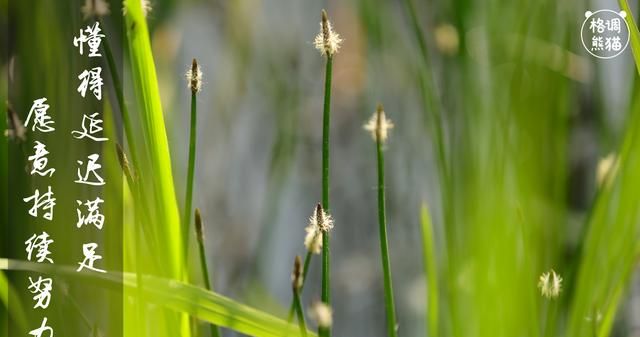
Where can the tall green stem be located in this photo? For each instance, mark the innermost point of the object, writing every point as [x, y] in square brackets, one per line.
[300, 314]
[215, 331]
[296, 285]
[134, 189]
[117, 87]
[384, 244]
[305, 269]
[188, 198]
[326, 291]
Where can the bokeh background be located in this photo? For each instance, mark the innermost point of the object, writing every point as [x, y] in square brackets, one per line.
[258, 172]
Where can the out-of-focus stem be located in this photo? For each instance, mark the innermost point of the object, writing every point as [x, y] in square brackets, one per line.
[215, 331]
[326, 123]
[384, 244]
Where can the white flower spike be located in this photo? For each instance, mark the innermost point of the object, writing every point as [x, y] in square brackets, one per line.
[378, 125]
[550, 284]
[327, 41]
[322, 314]
[319, 222]
[607, 169]
[194, 77]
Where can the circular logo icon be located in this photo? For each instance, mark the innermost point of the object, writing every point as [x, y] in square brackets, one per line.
[605, 33]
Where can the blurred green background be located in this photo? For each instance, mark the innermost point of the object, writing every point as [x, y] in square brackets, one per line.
[501, 118]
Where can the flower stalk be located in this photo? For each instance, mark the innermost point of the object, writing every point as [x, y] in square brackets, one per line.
[328, 43]
[194, 82]
[296, 285]
[379, 126]
[215, 331]
[319, 222]
[136, 234]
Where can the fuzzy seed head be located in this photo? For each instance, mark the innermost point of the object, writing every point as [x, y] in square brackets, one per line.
[319, 222]
[296, 275]
[607, 169]
[322, 314]
[194, 77]
[124, 162]
[313, 240]
[94, 9]
[378, 125]
[321, 219]
[447, 40]
[199, 230]
[327, 41]
[550, 284]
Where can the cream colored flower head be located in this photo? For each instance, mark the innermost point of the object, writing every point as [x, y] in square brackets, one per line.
[327, 41]
[94, 8]
[607, 169]
[446, 38]
[321, 219]
[319, 222]
[194, 77]
[313, 239]
[322, 314]
[550, 284]
[378, 125]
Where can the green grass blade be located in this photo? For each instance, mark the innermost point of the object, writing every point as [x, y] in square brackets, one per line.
[145, 84]
[15, 311]
[4, 290]
[610, 251]
[431, 270]
[633, 32]
[178, 296]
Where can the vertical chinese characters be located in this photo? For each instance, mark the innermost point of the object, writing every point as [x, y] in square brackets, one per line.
[89, 168]
[42, 205]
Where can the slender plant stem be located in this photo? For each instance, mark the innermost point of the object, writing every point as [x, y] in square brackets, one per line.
[300, 313]
[117, 86]
[326, 118]
[134, 189]
[551, 322]
[433, 108]
[384, 244]
[431, 104]
[188, 198]
[431, 270]
[128, 131]
[305, 269]
[215, 330]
